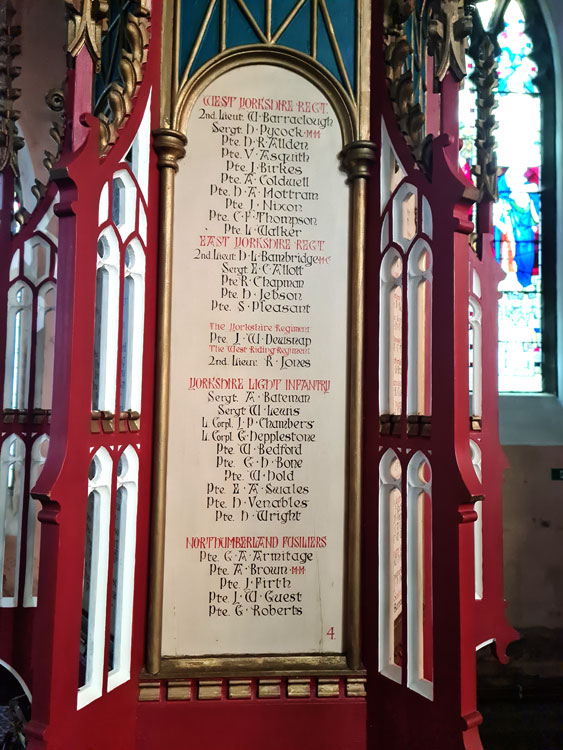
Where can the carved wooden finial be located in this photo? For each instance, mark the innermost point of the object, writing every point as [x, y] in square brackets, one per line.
[86, 21]
[486, 83]
[448, 29]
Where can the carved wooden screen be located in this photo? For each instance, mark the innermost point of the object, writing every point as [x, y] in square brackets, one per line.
[411, 308]
[28, 280]
[437, 460]
[94, 489]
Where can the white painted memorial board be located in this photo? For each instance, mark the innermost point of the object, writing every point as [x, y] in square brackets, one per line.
[256, 488]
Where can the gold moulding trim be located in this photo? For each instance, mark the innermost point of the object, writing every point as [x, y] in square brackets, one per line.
[149, 691]
[176, 691]
[356, 687]
[55, 100]
[209, 690]
[328, 687]
[246, 689]
[299, 688]
[23, 416]
[303, 65]
[240, 689]
[269, 688]
[102, 421]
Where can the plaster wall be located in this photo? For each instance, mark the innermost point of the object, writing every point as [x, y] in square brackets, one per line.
[531, 432]
[533, 537]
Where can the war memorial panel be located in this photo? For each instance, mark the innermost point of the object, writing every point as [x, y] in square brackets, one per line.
[256, 483]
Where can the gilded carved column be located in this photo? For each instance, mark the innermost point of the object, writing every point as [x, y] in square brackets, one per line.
[486, 83]
[357, 160]
[10, 141]
[170, 146]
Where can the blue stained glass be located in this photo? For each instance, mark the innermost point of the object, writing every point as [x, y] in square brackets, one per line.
[516, 70]
[517, 214]
[517, 224]
[520, 342]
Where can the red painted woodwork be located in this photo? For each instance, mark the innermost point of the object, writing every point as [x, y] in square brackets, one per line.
[28, 424]
[323, 723]
[80, 176]
[398, 717]
[393, 716]
[16, 623]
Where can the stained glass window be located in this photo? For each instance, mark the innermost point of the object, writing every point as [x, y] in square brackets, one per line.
[517, 214]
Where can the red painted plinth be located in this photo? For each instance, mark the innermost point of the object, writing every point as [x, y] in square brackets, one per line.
[286, 724]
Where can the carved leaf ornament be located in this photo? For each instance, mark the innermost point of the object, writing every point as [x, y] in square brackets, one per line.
[123, 36]
[444, 27]
[410, 117]
[86, 21]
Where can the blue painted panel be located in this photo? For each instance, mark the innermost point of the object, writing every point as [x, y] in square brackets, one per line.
[192, 15]
[280, 11]
[239, 30]
[211, 43]
[296, 36]
[258, 10]
[325, 54]
[298, 33]
[343, 16]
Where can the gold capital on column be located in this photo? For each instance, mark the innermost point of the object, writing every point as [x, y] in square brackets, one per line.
[170, 145]
[357, 159]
